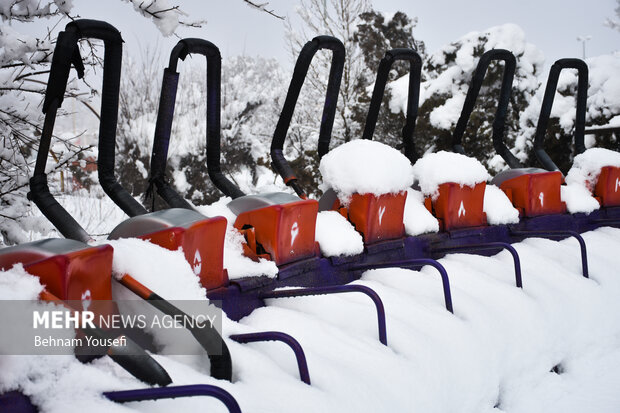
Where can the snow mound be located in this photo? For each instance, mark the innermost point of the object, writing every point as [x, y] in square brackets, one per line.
[55, 383]
[336, 235]
[587, 166]
[17, 284]
[365, 167]
[417, 219]
[498, 207]
[237, 264]
[240, 266]
[578, 199]
[435, 169]
[165, 272]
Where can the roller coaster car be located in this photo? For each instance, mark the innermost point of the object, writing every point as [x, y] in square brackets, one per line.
[73, 271]
[456, 206]
[278, 226]
[201, 238]
[606, 188]
[379, 217]
[78, 271]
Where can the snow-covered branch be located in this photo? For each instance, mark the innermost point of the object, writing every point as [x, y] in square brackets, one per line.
[166, 16]
[263, 7]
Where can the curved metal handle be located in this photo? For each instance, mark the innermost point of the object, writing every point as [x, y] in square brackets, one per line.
[502, 105]
[413, 97]
[66, 53]
[280, 164]
[545, 110]
[174, 392]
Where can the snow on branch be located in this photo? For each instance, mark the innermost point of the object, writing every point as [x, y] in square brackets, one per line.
[165, 16]
[262, 7]
[612, 22]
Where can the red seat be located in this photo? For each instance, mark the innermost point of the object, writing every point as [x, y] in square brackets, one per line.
[70, 270]
[459, 206]
[378, 218]
[285, 230]
[607, 188]
[533, 192]
[201, 239]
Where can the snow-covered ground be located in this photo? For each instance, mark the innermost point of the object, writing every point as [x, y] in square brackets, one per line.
[495, 354]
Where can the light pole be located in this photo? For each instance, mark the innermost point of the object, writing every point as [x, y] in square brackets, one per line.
[583, 40]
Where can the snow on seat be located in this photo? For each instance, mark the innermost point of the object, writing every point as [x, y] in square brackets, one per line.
[199, 237]
[71, 270]
[533, 191]
[456, 185]
[371, 181]
[598, 170]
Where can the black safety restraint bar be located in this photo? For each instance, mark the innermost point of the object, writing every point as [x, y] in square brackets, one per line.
[415, 70]
[502, 105]
[66, 53]
[165, 115]
[545, 110]
[280, 164]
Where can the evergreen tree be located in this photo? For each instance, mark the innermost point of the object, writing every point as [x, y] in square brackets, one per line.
[376, 35]
[448, 76]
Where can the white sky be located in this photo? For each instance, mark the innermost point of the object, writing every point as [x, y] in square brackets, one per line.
[235, 28]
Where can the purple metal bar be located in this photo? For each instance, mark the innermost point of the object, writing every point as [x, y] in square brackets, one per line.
[338, 289]
[607, 221]
[561, 234]
[302, 365]
[487, 247]
[172, 392]
[416, 262]
[16, 402]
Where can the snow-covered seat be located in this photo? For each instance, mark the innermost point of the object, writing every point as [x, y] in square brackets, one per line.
[598, 170]
[199, 237]
[71, 270]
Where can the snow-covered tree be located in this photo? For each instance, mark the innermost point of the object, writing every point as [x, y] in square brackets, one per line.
[602, 108]
[448, 76]
[376, 34]
[614, 22]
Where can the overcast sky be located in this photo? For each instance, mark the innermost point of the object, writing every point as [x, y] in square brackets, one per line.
[552, 25]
